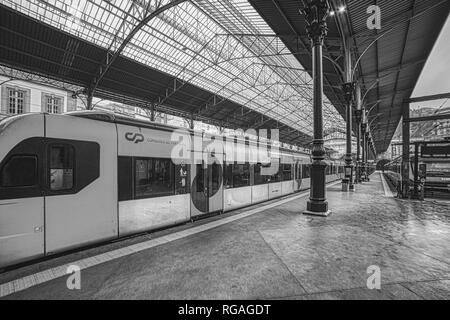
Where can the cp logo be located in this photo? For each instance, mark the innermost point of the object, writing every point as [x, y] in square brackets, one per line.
[134, 137]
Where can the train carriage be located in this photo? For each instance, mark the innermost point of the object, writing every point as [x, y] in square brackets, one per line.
[436, 170]
[72, 180]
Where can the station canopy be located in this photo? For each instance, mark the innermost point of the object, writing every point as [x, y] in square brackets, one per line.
[390, 59]
[223, 47]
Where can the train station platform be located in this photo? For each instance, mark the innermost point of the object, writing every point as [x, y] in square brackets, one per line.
[270, 251]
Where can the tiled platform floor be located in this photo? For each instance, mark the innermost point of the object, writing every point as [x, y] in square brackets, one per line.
[282, 254]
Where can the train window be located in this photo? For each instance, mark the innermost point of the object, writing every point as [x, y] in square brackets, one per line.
[153, 178]
[277, 176]
[287, 172]
[228, 176]
[216, 178]
[125, 178]
[331, 169]
[306, 171]
[298, 173]
[19, 171]
[61, 175]
[200, 179]
[260, 178]
[241, 175]
[182, 179]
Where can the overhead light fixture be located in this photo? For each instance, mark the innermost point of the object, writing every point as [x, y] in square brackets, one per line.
[341, 9]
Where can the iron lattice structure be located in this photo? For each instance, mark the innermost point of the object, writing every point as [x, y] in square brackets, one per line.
[223, 46]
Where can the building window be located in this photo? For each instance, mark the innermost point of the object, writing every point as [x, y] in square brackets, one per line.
[53, 104]
[16, 102]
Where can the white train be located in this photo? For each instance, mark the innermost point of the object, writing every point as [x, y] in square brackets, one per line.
[68, 181]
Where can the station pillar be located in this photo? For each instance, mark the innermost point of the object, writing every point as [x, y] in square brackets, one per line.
[366, 164]
[416, 193]
[89, 99]
[405, 151]
[191, 122]
[349, 168]
[316, 13]
[358, 118]
[364, 150]
[152, 113]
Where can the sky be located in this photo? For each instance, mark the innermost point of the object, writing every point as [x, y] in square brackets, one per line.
[435, 77]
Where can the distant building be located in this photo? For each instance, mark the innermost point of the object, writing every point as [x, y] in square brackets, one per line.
[422, 131]
[18, 97]
[430, 130]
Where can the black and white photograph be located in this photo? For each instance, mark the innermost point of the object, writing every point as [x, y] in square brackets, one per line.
[224, 159]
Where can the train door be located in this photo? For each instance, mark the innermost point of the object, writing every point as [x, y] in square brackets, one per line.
[215, 182]
[199, 190]
[207, 186]
[81, 182]
[21, 197]
[298, 175]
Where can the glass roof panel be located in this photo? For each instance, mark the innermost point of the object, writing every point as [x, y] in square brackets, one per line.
[223, 46]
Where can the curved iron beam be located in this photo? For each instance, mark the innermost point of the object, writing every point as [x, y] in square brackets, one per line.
[371, 108]
[335, 64]
[103, 69]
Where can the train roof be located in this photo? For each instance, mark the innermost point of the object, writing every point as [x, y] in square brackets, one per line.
[122, 119]
[100, 115]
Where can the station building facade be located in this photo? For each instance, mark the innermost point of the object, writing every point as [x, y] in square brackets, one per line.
[18, 97]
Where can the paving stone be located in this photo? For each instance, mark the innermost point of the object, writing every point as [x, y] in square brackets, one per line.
[281, 253]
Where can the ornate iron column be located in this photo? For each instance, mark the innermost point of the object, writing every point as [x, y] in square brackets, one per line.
[153, 113]
[316, 13]
[366, 167]
[89, 98]
[364, 147]
[348, 92]
[406, 132]
[358, 116]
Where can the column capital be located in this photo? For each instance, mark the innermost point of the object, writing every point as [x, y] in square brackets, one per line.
[358, 115]
[349, 89]
[363, 127]
[316, 13]
[318, 150]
